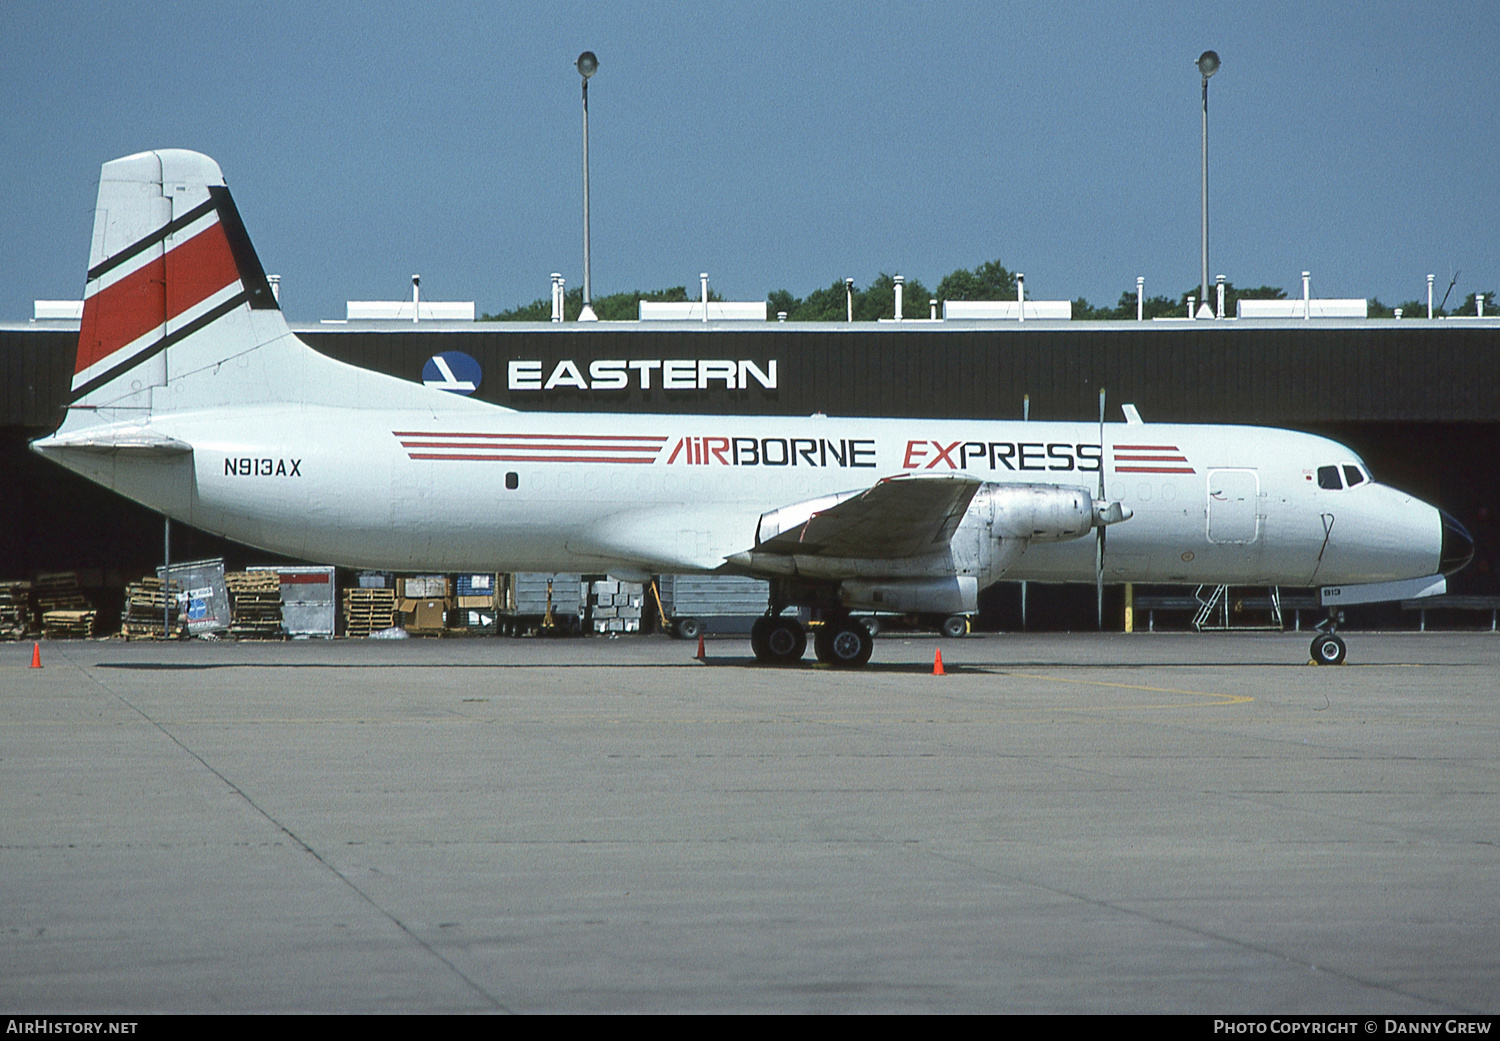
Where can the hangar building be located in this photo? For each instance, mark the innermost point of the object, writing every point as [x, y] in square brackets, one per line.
[1418, 399]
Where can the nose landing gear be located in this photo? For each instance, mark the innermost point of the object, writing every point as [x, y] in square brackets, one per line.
[1327, 648]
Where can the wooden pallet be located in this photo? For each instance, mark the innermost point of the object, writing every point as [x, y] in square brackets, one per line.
[58, 591]
[368, 611]
[146, 601]
[65, 625]
[254, 605]
[253, 582]
[15, 610]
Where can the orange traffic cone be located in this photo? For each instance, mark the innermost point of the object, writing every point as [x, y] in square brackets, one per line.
[36, 656]
[937, 664]
[702, 656]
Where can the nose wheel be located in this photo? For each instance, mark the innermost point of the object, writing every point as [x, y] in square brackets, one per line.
[1328, 649]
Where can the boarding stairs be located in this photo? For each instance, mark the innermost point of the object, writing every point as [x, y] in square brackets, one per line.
[1219, 612]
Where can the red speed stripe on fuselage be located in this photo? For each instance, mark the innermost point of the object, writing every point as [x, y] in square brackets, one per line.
[146, 298]
[1166, 460]
[473, 446]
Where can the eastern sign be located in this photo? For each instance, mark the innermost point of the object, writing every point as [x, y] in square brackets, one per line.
[607, 374]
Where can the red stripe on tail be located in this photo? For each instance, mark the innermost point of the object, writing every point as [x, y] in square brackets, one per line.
[165, 288]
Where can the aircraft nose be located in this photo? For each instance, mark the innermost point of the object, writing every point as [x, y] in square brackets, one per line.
[1458, 545]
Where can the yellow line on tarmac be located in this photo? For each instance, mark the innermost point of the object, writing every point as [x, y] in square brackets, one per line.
[1220, 699]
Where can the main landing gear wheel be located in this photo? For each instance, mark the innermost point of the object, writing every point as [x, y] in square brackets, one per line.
[955, 627]
[778, 640]
[845, 644]
[1328, 649]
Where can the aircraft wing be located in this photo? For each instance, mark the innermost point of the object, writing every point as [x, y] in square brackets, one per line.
[904, 516]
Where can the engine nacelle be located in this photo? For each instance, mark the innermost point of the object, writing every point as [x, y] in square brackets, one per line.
[958, 594]
[1036, 512]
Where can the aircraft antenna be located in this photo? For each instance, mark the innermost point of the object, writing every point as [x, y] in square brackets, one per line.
[1451, 283]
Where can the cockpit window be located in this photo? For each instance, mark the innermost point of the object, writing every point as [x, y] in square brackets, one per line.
[1352, 475]
[1328, 478]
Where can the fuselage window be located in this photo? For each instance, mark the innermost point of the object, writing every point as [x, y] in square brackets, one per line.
[1352, 476]
[512, 480]
[1328, 478]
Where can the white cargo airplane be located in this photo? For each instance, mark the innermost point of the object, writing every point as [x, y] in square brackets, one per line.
[191, 396]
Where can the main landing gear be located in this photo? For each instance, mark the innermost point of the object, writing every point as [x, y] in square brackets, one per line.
[1327, 648]
[778, 640]
[841, 642]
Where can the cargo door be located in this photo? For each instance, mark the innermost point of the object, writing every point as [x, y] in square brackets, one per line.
[1233, 506]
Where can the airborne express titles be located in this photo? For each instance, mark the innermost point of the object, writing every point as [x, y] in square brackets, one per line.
[917, 455]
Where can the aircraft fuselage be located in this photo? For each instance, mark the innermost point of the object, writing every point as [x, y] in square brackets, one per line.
[498, 490]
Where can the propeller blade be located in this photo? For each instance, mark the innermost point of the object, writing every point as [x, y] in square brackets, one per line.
[1099, 534]
[1101, 444]
[1099, 574]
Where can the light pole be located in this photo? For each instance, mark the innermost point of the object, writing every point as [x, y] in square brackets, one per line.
[1208, 64]
[587, 66]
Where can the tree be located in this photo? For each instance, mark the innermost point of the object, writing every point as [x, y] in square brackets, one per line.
[779, 300]
[1232, 297]
[1124, 311]
[1471, 302]
[615, 307]
[988, 281]
[879, 299]
[875, 301]
[1418, 309]
[1409, 309]
[539, 310]
[1083, 311]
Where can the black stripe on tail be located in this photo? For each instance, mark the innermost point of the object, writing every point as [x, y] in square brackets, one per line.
[252, 275]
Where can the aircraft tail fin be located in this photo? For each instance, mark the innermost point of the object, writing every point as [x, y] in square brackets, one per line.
[174, 284]
[179, 316]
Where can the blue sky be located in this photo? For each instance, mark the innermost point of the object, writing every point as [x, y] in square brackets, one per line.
[773, 145]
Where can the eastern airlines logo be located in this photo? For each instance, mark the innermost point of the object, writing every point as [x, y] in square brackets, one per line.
[453, 371]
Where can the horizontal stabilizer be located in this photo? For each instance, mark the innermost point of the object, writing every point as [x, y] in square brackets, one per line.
[108, 439]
